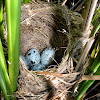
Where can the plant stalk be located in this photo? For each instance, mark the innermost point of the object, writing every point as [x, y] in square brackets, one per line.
[89, 14]
[3, 71]
[84, 54]
[89, 77]
[1, 21]
[13, 11]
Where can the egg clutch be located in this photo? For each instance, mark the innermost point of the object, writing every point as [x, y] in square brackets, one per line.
[34, 61]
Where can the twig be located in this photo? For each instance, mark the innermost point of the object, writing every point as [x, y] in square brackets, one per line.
[67, 83]
[80, 6]
[93, 96]
[57, 74]
[88, 77]
[92, 88]
[85, 66]
[60, 94]
[84, 54]
[21, 95]
[64, 2]
[89, 14]
[78, 3]
[62, 66]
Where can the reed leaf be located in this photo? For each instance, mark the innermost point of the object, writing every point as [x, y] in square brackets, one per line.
[96, 27]
[1, 21]
[95, 16]
[86, 84]
[3, 86]
[13, 10]
[5, 81]
[26, 1]
[95, 65]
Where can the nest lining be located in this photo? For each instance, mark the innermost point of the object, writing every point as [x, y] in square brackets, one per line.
[47, 25]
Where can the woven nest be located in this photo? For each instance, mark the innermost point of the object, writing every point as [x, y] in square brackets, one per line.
[47, 25]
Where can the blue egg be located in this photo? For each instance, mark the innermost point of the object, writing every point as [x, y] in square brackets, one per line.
[47, 56]
[25, 61]
[33, 57]
[38, 67]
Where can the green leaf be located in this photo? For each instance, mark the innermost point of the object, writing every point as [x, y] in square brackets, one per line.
[5, 81]
[86, 84]
[96, 27]
[3, 86]
[95, 17]
[1, 21]
[26, 1]
[13, 11]
[95, 65]
[84, 89]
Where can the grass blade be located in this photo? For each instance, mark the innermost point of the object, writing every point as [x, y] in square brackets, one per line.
[2, 85]
[95, 16]
[96, 27]
[90, 8]
[26, 1]
[4, 75]
[84, 89]
[13, 10]
[95, 65]
[1, 21]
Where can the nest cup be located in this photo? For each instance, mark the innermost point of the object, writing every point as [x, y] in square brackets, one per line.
[46, 25]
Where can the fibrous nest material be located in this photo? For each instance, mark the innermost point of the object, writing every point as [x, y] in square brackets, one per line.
[48, 25]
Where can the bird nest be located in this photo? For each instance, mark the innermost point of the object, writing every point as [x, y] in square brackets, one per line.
[47, 25]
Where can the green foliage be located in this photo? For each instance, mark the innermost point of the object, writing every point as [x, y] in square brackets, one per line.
[8, 82]
[2, 85]
[95, 17]
[95, 65]
[96, 27]
[13, 11]
[86, 84]
[26, 1]
[4, 78]
[1, 21]
[84, 89]
[94, 62]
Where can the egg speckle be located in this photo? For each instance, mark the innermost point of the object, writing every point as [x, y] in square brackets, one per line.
[47, 56]
[33, 57]
[38, 67]
[25, 61]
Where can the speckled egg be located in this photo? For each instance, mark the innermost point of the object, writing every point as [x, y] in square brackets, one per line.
[38, 67]
[47, 56]
[25, 61]
[33, 57]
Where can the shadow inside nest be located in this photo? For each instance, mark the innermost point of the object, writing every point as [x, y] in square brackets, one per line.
[59, 40]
